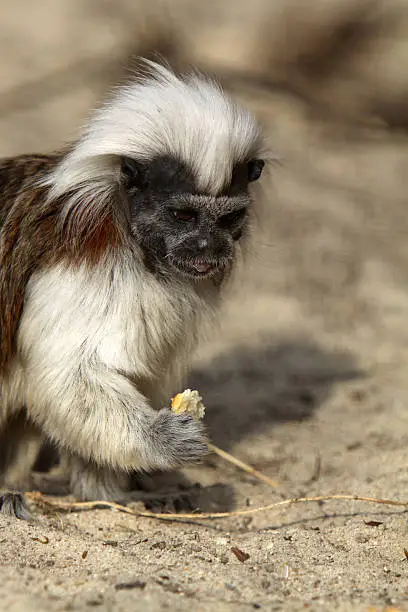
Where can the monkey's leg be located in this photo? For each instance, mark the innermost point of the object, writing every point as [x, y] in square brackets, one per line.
[22, 447]
[20, 442]
[92, 482]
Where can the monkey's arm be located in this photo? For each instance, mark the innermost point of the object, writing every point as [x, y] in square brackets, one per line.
[99, 415]
[78, 391]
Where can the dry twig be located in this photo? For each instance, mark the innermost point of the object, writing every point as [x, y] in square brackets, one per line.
[244, 466]
[52, 503]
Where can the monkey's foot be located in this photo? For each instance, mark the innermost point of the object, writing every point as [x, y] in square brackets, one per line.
[52, 483]
[14, 504]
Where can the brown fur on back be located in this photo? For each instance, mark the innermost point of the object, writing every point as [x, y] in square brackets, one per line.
[32, 236]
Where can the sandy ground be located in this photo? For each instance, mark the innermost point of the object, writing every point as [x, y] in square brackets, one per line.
[307, 379]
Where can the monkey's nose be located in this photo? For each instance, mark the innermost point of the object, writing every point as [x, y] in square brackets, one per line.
[202, 243]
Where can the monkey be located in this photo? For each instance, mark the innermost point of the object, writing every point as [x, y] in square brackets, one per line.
[114, 256]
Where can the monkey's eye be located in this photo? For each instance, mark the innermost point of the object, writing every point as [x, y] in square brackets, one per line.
[185, 214]
[255, 167]
[233, 218]
[134, 173]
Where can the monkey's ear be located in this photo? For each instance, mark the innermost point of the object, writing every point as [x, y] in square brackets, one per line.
[133, 172]
[255, 167]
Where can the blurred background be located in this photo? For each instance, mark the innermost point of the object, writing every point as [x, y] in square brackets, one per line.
[341, 60]
[307, 378]
[325, 299]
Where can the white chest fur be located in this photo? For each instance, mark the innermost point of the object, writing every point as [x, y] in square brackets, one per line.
[114, 316]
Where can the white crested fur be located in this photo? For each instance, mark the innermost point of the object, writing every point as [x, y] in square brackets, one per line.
[102, 349]
[189, 117]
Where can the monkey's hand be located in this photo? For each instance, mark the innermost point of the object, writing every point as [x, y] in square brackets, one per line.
[176, 439]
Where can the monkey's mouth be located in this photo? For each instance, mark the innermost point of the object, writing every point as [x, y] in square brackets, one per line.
[197, 268]
[202, 267]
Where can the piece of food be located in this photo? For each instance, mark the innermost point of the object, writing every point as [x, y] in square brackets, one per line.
[189, 401]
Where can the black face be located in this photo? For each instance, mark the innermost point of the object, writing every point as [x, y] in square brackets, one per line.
[180, 228]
